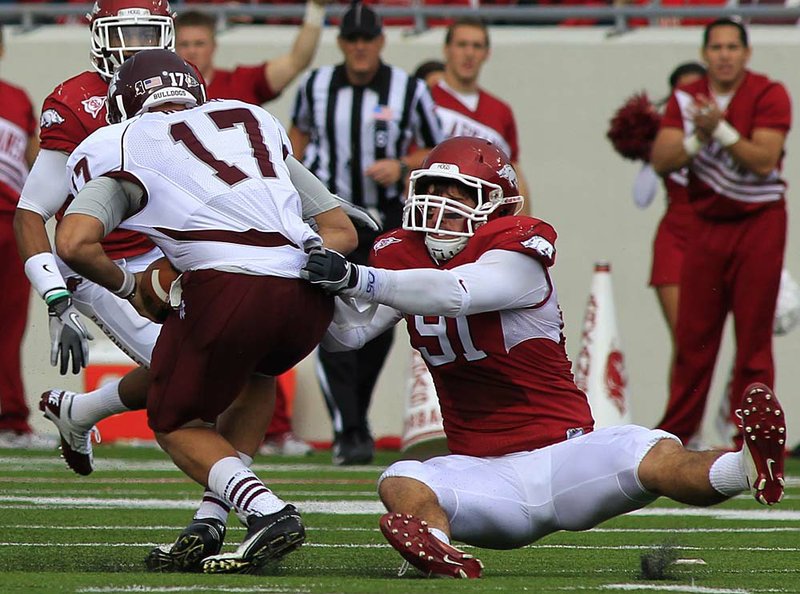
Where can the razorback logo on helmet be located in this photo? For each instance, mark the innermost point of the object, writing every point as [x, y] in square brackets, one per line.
[539, 244]
[50, 117]
[94, 105]
[507, 172]
[385, 242]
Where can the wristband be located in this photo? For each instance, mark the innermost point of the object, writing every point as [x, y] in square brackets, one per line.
[725, 134]
[128, 288]
[692, 145]
[315, 14]
[42, 271]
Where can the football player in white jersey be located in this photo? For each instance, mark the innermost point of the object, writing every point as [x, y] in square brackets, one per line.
[209, 183]
[472, 282]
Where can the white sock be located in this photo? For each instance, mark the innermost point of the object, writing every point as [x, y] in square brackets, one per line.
[214, 507]
[87, 409]
[230, 479]
[728, 475]
[440, 535]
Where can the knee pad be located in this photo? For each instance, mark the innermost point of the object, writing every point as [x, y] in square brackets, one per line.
[413, 469]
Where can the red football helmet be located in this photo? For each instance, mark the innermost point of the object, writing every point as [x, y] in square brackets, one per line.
[122, 27]
[480, 166]
[150, 78]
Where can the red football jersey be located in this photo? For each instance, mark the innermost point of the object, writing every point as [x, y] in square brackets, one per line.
[17, 124]
[492, 119]
[75, 109]
[502, 387]
[245, 83]
[718, 186]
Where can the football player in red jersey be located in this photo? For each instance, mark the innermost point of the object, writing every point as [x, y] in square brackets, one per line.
[472, 282]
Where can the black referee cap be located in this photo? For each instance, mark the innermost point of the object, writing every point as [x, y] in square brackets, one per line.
[360, 21]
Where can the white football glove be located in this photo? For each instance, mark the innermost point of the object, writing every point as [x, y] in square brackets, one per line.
[69, 338]
[787, 310]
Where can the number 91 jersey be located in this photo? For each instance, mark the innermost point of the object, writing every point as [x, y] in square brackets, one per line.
[217, 188]
[503, 378]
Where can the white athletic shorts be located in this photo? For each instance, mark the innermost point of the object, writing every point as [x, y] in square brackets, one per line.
[134, 335]
[510, 501]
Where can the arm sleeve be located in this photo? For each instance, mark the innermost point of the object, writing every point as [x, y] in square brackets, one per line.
[315, 196]
[498, 280]
[350, 331]
[107, 200]
[46, 188]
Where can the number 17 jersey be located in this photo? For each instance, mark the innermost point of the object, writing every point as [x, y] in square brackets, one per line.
[217, 189]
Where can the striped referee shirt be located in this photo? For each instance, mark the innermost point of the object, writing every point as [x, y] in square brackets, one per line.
[351, 127]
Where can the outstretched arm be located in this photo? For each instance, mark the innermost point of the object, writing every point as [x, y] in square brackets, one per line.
[284, 69]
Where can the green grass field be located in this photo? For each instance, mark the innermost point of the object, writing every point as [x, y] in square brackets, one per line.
[64, 533]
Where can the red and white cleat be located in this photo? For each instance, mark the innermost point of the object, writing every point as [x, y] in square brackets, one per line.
[764, 433]
[411, 538]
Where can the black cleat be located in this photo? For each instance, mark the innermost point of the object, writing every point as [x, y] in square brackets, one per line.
[200, 539]
[353, 447]
[268, 539]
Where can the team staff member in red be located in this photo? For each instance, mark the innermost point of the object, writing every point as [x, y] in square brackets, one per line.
[729, 128]
[18, 147]
[196, 43]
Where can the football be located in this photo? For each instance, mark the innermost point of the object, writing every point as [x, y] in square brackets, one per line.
[154, 286]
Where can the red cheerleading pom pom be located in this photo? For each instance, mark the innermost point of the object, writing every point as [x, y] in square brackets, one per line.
[634, 127]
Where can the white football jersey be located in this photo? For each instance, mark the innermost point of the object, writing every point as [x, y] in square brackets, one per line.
[218, 192]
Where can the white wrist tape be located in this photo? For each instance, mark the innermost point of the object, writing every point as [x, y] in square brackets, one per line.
[42, 271]
[725, 134]
[315, 14]
[128, 284]
[692, 145]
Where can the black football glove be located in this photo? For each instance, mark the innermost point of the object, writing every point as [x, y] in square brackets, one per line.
[68, 335]
[329, 270]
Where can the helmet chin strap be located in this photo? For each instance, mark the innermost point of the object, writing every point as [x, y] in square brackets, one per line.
[442, 250]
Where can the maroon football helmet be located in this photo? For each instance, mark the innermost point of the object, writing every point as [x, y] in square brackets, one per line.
[150, 78]
[475, 163]
[122, 27]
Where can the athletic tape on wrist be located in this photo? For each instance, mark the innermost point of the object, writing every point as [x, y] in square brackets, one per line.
[725, 134]
[315, 14]
[692, 145]
[128, 286]
[42, 272]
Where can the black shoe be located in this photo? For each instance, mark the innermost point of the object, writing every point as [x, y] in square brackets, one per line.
[353, 446]
[268, 539]
[198, 540]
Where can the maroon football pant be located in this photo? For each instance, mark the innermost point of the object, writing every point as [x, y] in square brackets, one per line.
[229, 327]
[14, 297]
[729, 266]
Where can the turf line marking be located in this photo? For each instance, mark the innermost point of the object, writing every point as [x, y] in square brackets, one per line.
[364, 507]
[235, 527]
[198, 588]
[322, 545]
[674, 588]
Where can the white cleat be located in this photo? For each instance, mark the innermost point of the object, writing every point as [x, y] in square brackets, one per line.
[76, 440]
